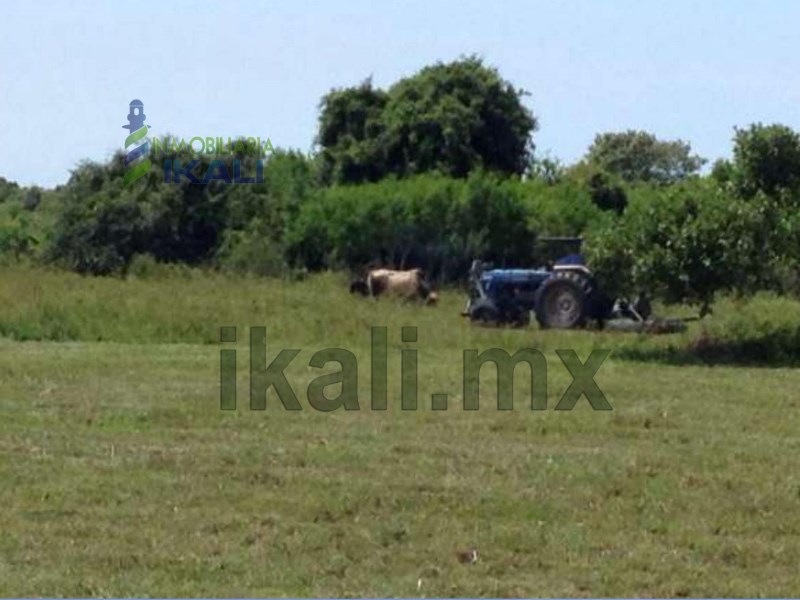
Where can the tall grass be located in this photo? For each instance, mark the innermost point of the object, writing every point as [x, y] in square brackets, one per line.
[763, 330]
[182, 305]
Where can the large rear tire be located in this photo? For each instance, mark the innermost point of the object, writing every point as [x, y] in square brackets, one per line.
[562, 301]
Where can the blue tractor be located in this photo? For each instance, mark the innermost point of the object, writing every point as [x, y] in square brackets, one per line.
[561, 295]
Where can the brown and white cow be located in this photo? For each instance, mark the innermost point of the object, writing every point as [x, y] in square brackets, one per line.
[403, 284]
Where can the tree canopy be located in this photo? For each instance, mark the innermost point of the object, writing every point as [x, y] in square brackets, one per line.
[766, 158]
[641, 156]
[351, 134]
[450, 117]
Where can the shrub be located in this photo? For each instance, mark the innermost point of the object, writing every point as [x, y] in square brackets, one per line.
[430, 221]
[17, 239]
[252, 250]
[767, 159]
[564, 209]
[691, 241]
[102, 225]
[763, 330]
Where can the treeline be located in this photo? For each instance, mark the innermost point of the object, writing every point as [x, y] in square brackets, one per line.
[435, 171]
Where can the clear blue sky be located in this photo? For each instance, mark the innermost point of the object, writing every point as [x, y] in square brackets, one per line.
[681, 69]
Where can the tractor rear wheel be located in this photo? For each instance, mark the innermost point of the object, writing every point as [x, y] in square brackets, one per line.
[562, 301]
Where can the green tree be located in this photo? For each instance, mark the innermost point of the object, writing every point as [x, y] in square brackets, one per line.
[453, 118]
[351, 134]
[436, 222]
[101, 224]
[687, 242]
[766, 158]
[546, 168]
[722, 171]
[16, 234]
[8, 189]
[607, 195]
[605, 189]
[640, 156]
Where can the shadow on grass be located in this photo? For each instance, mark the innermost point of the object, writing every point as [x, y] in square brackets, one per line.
[773, 350]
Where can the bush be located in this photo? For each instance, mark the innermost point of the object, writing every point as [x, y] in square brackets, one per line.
[102, 225]
[9, 190]
[98, 234]
[689, 242]
[430, 221]
[564, 209]
[17, 239]
[767, 160]
[452, 118]
[763, 330]
[252, 250]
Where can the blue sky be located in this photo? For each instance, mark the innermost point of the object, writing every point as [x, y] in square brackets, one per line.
[680, 69]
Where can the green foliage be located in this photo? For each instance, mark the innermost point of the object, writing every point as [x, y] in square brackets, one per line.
[452, 118]
[606, 190]
[50, 305]
[16, 235]
[764, 330]
[640, 156]
[455, 118]
[32, 197]
[432, 221]
[8, 189]
[351, 129]
[563, 209]
[760, 331]
[427, 173]
[767, 159]
[729, 232]
[723, 171]
[606, 195]
[547, 169]
[437, 222]
[259, 215]
[98, 228]
[98, 235]
[102, 224]
[254, 249]
[288, 180]
[689, 242]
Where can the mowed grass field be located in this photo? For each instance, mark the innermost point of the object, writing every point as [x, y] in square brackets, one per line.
[120, 476]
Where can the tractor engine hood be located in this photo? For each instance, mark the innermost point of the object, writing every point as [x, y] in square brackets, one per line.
[514, 276]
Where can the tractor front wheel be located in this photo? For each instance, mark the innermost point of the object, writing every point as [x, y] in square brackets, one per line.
[484, 312]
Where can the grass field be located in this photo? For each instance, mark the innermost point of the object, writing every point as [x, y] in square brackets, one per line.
[120, 476]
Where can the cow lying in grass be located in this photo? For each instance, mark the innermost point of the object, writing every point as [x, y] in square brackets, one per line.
[402, 284]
